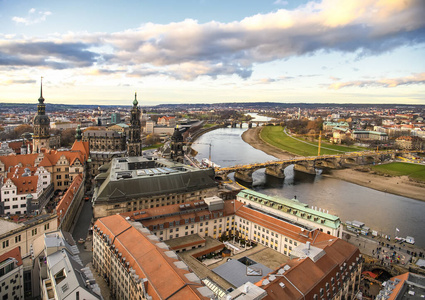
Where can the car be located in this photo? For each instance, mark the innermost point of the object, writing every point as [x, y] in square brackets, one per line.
[81, 241]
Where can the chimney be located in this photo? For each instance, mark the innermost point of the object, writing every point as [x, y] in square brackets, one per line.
[308, 245]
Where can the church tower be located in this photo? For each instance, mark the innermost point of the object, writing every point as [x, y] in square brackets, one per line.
[41, 125]
[134, 143]
[177, 152]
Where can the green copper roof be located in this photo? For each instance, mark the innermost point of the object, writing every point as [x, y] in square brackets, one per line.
[135, 100]
[292, 206]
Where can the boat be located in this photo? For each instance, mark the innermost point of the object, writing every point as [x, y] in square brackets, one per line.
[410, 240]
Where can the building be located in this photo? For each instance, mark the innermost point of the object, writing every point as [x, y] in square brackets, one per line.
[22, 235]
[409, 143]
[61, 273]
[134, 142]
[328, 270]
[115, 118]
[137, 265]
[319, 263]
[133, 183]
[328, 126]
[11, 275]
[369, 135]
[167, 121]
[68, 206]
[404, 286]
[176, 146]
[294, 211]
[104, 145]
[41, 123]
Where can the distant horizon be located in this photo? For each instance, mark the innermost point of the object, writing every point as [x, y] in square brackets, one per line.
[333, 51]
[222, 103]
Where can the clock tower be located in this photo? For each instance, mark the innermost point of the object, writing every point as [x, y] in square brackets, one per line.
[41, 125]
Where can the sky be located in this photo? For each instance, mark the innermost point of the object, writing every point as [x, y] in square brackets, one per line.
[205, 51]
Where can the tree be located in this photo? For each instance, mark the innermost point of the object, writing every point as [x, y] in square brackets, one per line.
[67, 137]
[21, 129]
[152, 139]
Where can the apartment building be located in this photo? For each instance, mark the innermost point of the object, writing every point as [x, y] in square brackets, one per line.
[137, 265]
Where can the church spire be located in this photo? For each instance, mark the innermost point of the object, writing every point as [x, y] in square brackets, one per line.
[135, 99]
[41, 99]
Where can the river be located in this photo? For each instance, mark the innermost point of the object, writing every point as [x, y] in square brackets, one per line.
[379, 210]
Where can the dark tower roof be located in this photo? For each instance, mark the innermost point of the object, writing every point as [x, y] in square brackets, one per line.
[135, 100]
[177, 136]
[41, 99]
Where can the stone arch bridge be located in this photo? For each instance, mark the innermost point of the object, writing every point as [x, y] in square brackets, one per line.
[310, 164]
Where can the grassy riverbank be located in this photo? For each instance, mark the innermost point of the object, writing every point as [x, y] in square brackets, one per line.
[275, 135]
[413, 171]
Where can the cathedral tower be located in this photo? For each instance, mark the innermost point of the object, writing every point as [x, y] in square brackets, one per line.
[41, 125]
[134, 143]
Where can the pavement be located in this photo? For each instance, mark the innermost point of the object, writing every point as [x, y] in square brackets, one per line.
[388, 252]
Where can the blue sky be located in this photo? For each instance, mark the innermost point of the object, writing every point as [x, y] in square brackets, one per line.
[325, 51]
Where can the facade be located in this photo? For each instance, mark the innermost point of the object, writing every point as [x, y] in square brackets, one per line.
[11, 275]
[137, 265]
[41, 123]
[134, 183]
[369, 135]
[409, 143]
[134, 142]
[62, 165]
[294, 211]
[62, 275]
[104, 145]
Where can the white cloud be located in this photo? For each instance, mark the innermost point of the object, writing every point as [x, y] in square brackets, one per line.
[33, 17]
[385, 82]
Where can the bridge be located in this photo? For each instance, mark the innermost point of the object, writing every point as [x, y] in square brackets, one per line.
[251, 123]
[311, 164]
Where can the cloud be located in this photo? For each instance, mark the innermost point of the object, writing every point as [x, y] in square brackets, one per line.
[186, 50]
[17, 81]
[386, 83]
[33, 17]
[54, 55]
[280, 2]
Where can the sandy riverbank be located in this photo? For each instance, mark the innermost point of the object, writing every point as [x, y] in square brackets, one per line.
[402, 186]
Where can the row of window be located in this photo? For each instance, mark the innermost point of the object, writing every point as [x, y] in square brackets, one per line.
[18, 238]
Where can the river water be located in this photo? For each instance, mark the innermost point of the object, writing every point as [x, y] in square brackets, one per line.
[378, 210]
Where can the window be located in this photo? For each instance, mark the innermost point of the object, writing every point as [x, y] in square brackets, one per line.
[34, 231]
[17, 238]
[58, 176]
[5, 244]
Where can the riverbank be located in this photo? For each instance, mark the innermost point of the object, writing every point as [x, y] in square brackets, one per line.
[252, 137]
[398, 185]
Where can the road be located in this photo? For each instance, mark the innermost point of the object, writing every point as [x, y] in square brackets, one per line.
[81, 230]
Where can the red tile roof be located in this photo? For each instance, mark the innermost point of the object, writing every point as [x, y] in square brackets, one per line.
[66, 200]
[14, 253]
[148, 260]
[27, 160]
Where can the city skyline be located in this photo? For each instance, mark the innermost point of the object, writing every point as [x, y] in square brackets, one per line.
[213, 52]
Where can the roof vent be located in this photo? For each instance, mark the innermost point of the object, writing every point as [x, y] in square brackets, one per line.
[282, 285]
[265, 282]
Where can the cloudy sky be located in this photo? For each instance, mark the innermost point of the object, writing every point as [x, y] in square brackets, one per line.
[205, 51]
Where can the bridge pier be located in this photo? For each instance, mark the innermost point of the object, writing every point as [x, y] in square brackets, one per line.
[250, 125]
[305, 168]
[276, 171]
[245, 176]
